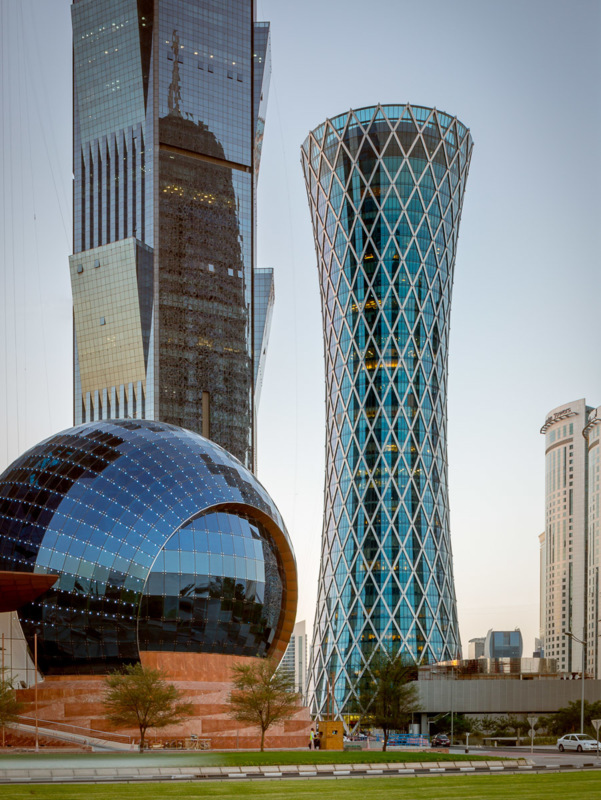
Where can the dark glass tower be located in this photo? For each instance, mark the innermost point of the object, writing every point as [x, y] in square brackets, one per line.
[385, 187]
[169, 106]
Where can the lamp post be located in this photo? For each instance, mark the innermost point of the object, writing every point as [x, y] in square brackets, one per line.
[452, 699]
[35, 658]
[583, 643]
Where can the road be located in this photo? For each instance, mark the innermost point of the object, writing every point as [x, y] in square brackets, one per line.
[546, 756]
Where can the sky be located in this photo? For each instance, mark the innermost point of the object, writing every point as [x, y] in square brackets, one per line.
[524, 77]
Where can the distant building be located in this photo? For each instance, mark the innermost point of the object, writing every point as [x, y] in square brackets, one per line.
[475, 647]
[294, 661]
[503, 644]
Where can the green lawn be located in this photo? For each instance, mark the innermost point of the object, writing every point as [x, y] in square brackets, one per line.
[237, 759]
[561, 786]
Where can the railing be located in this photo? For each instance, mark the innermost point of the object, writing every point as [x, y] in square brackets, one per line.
[77, 730]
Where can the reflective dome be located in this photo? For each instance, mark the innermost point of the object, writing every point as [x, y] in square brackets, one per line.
[162, 541]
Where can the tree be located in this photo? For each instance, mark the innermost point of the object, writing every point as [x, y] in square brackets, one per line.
[10, 707]
[519, 725]
[262, 695]
[386, 694]
[567, 719]
[139, 697]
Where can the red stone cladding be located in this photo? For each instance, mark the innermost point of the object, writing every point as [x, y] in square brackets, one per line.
[77, 700]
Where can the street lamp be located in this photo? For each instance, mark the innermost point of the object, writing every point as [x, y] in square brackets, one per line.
[583, 643]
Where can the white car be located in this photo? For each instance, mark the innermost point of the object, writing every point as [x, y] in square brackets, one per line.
[576, 741]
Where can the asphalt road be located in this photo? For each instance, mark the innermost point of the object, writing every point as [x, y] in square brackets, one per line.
[541, 756]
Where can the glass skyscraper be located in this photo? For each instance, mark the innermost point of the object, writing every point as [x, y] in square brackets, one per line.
[169, 108]
[385, 186]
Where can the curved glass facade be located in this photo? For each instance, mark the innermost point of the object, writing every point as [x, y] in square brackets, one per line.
[385, 186]
[162, 541]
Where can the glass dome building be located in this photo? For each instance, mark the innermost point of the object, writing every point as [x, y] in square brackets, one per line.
[385, 186]
[161, 541]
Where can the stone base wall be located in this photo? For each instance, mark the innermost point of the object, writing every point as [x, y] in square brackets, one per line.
[77, 700]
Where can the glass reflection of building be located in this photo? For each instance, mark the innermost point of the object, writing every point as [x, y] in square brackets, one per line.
[159, 542]
[385, 186]
[169, 107]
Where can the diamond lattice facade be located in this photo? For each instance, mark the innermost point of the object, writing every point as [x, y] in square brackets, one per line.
[385, 187]
[168, 120]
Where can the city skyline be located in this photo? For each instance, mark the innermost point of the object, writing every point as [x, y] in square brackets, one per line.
[528, 260]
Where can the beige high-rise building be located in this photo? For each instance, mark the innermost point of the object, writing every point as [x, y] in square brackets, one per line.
[564, 581]
[592, 437]
[294, 660]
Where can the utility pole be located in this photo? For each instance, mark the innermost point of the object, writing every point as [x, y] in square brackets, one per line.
[583, 643]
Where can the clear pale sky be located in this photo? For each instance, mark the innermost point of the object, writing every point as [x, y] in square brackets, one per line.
[524, 77]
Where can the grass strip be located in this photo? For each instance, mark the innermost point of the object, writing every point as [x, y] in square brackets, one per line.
[234, 759]
[573, 786]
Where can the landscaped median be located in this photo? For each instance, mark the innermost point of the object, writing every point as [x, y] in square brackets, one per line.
[573, 786]
[238, 758]
[236, 766]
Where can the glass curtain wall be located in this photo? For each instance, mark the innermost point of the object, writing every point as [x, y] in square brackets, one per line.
[385, 186]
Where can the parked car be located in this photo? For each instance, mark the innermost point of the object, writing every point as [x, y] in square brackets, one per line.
[440, 740]
[576, 741]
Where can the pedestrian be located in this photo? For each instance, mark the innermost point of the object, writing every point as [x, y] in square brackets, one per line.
[312, 739]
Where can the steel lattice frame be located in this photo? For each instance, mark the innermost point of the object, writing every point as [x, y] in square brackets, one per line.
[385, 187]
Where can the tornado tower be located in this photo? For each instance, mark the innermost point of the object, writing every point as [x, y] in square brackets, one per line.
[385, 186]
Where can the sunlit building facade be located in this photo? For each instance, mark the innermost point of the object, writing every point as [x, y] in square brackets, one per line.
[570, 564]
[294, 660]
[564, 577]
[168, 121]
[385, 186]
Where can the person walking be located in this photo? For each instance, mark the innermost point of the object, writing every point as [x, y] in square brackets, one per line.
[312, 739]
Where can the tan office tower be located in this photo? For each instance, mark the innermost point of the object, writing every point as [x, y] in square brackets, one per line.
[592, 437]
[565, 539]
